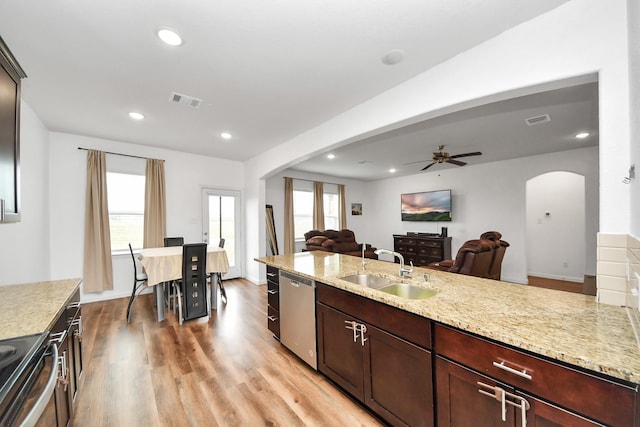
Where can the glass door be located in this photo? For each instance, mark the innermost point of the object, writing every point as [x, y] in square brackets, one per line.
[222, 221]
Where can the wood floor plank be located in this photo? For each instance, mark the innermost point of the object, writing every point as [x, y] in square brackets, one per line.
[223, 371]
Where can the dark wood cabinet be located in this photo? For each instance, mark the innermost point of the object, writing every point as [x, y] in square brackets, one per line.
[422, 250]
[273, 300]
[10, 75]
[62, 394]
[359, 350]
[339, 357]
[469, 368]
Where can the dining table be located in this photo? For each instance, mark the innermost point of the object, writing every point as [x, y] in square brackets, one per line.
[164, 264]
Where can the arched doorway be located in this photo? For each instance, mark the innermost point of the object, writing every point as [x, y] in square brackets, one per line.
[555, 218]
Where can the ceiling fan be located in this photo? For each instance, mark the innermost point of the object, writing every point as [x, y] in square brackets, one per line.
[443, 157]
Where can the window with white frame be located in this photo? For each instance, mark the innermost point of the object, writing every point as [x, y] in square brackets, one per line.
[303, 209]
[125, 197]
[302, 212]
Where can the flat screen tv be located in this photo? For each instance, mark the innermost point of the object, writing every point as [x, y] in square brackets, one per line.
[426, 206]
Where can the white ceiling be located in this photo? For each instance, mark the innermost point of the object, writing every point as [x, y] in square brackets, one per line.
[267, 70]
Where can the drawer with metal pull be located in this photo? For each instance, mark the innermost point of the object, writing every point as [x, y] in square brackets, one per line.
[563, 385]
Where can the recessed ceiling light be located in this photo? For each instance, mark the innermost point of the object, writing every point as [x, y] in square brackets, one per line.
[392, 170]
[225, 135]
[582, 135]
[393, 57]
[331, 156]
[170, 37]
[136, 116]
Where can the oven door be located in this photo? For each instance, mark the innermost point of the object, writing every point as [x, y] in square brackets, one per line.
[37, 403]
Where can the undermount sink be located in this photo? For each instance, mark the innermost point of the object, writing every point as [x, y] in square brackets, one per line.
[389, 286]
[408, 291]
[368, 280]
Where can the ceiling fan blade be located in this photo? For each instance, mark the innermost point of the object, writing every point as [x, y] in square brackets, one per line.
[428, 166]
[455, 162]
[475, 153]
[419, 161]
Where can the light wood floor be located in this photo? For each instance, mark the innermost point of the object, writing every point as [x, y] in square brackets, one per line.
[228, 371]
[559, 285]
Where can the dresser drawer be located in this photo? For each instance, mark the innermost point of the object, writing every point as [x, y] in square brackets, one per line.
[601, 399]
[430, 243]
[406, 241]
[430, 251]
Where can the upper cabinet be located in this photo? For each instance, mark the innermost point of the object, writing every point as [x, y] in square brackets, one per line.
[10, 75]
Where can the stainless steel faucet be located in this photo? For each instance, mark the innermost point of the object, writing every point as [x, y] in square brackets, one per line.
[404, 272]
[364, 263]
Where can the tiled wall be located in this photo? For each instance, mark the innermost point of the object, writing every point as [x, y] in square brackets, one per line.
[618, 254]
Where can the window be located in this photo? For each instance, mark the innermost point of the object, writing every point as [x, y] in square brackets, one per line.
[331, 215]
[302, 212]
[125, 196]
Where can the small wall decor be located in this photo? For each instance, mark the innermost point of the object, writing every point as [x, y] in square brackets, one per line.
[356, 208]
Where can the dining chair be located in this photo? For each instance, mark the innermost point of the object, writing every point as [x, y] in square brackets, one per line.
[223, 293]
[173, 241]
[191, 289]
[139, 283]
[169, 296]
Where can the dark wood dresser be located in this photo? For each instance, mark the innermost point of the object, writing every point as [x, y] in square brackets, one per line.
[422, 249]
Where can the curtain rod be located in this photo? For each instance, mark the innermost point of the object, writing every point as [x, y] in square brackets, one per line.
[311, 180]
[120, 154]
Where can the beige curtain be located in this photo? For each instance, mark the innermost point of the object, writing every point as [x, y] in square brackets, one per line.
[342, 205]
[289, 230]
[98, 270]
[155, 211]
[318, 206]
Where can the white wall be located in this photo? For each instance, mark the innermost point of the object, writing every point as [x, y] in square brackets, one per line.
[577, 39]
[634, 89]
[185, 176]
[24, 246]
[556, 226]
[355, 192]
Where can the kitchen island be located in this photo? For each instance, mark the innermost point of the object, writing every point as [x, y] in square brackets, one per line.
[491, 316]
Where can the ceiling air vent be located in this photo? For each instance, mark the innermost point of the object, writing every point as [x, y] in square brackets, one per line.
[538, 119]
[185, 100]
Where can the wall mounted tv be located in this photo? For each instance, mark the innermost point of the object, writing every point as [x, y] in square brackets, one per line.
[426, 206]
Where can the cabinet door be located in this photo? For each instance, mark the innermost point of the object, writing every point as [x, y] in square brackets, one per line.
[398, 381]
[460, 402]
[76, 341]
[543, 414]
[339, 357]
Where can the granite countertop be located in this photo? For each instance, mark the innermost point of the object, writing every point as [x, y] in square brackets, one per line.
[32, 308]
[568, 327]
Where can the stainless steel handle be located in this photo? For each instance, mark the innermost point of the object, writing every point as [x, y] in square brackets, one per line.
[351, 324]
[497, 393]
[272, 291]
[78, 333]
[504, 367]
[272, 318]
[38, 408]
[1, 210]
[501, 395]
[58, 337]
[363, 330]
[64, 371]
[295, 284]
[271, 274]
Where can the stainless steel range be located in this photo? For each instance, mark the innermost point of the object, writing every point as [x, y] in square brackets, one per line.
[27, 379]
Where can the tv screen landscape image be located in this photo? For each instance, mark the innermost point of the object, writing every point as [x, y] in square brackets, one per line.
[426, 206]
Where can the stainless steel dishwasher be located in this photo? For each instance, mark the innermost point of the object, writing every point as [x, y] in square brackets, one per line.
[298, 316]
